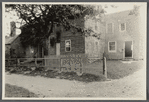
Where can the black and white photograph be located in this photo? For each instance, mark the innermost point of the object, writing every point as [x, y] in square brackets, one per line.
[74, 50]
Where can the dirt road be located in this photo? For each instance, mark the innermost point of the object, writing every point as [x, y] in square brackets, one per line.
[132, 86]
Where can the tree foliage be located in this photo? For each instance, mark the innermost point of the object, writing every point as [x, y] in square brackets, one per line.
[40, 19]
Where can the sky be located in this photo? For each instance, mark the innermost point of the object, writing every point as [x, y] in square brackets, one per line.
[119, 7]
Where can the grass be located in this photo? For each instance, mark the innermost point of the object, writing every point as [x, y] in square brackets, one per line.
[92, 71]
[117, 69]
[14, 91]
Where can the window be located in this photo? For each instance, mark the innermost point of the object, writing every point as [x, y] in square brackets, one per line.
[67, 45]
[123, 27]
[110, 27]
[112, 46]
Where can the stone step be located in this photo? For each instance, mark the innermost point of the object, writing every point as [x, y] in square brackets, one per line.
[127, 59]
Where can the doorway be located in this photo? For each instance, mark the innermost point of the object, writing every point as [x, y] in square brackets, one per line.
[128, 49]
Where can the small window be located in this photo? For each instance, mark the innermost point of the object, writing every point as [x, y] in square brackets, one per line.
[110, 28]
[67, 45]
[123, 27]
[112, 47]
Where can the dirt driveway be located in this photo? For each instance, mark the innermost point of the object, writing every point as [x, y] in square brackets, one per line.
[132, 86]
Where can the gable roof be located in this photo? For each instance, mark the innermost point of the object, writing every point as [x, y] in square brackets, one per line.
[9, 40]
[119, 15]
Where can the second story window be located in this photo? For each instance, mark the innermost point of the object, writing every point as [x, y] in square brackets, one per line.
[67, 45]
[123, 27]
[110, 27]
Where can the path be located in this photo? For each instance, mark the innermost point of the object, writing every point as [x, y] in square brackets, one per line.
[132, 86]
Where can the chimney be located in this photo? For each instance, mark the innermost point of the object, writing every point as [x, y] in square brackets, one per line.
[13, 29]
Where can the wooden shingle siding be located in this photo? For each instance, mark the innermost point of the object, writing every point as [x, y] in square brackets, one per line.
[77, 39]
[18, 49]
[77, 44]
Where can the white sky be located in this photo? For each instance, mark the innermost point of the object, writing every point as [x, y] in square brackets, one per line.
[120, 7]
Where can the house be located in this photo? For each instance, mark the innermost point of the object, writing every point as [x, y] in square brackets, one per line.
[65, 42]
[70, 42]
[74, 42]
[15, 49]
[94, 44]
[120, 37]
[125, 32]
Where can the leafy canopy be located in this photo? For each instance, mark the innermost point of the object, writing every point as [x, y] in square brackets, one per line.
[40, 19]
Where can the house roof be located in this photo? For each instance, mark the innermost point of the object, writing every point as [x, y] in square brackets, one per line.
[121, 16]
[124, 11]
[9, 40]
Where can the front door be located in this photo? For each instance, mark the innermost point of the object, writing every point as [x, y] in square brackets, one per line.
[57, 48]
[128, 49]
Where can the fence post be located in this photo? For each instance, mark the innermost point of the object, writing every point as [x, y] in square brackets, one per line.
[103, 64]
[105, 68]
[36, 62]
[81, 66]
[60, 64]
[18, 61]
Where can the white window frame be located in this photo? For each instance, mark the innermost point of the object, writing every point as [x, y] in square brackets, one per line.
[120, 27]
[65, 45]
[107, 27]
[115, 47]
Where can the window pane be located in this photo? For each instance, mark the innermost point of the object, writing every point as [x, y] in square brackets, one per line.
[67, 48]
[110, 28]
[112, 46]
[122, 27]
[67, 43]
[112, 43]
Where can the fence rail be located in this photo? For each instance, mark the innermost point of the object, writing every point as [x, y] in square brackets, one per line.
[62, 64]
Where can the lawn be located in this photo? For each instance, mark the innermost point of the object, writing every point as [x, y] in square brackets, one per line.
[91, 71]
[115, 68]
[14, 91]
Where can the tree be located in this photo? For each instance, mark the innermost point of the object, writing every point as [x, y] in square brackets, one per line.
[135, 10]
[40, 19]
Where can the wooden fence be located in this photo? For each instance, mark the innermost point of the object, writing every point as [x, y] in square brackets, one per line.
[62, 64]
